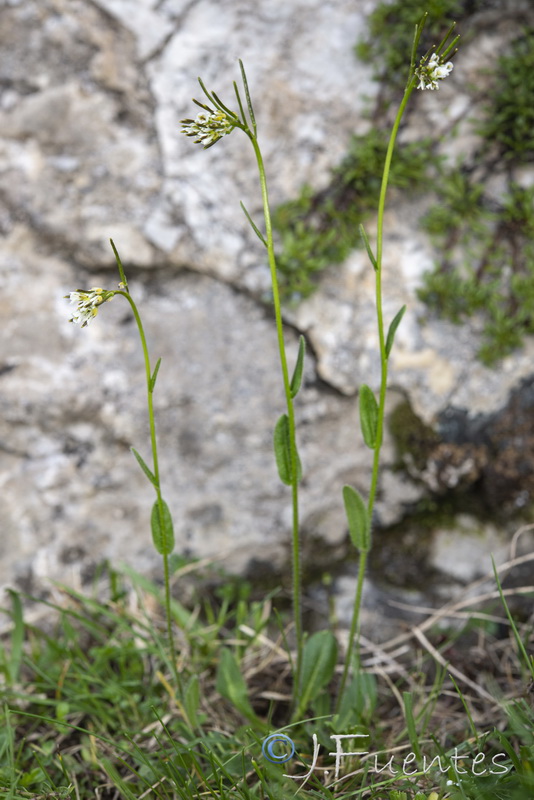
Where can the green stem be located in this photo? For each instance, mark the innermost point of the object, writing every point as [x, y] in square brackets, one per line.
[290, 413]
[155, 462]
[354, 631]
[378, 293]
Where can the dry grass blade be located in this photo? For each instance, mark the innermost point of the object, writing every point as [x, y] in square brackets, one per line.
[450, 609]
[456, 672]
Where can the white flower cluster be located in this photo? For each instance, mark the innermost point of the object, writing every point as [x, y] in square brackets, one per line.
[208, 126]
[429, 74]
[87, 303]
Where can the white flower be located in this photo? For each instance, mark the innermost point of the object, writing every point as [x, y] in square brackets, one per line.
[87, 303]
[442, 71]
[208, 127]
[429, 74]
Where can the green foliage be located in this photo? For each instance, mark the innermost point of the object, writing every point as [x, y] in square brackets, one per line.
[296, 378]
[391, 30]
[231, 684]
[357, 518]
[94, 707]
[162, 528]
[487, 251]
[320, 229]
[282, 451]
[105, 703]
[392, 330]
[319, 660]
[459, 208]
[144, 466]
[487, 263]
[509, 121]
[368, 416]
[359, 702]
[11, 658]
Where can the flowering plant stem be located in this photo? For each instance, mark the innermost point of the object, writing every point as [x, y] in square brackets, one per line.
[294, 471]
[362, 566]
[208, 127]
[154, 477]
[385, 343]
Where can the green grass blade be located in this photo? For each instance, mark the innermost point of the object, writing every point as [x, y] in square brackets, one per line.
[117, 780]
[17, 638]
[410, 723]
[528, 661]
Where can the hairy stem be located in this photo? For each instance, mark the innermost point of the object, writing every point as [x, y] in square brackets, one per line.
[155, 463]
[296, 565]
[354, 631]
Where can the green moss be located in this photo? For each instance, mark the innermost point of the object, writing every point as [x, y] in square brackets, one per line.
[412, 437]
[391, 30]
[320, 229]
[487, 262]
[509, 121]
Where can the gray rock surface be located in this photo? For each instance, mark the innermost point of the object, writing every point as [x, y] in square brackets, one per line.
[93, 94]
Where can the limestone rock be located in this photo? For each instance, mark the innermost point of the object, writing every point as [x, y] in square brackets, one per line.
[93, 95]
[68, 420]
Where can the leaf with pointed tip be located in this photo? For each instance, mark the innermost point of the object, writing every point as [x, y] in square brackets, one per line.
[231, 684]
[358, 519]
[368, 416]
[162, 528]
[192, 700]
[372, 259]
[395, 322]
[254, 226]
[296, 380]
[319, 658]
[154, 375]
[358, 701]
[148, 472]
[282, 451]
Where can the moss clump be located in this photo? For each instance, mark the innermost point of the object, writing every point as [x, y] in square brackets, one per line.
[487, 262]
[319, 229]
[413, 439]
[509, 122]
[391, 31]
[486, 246]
